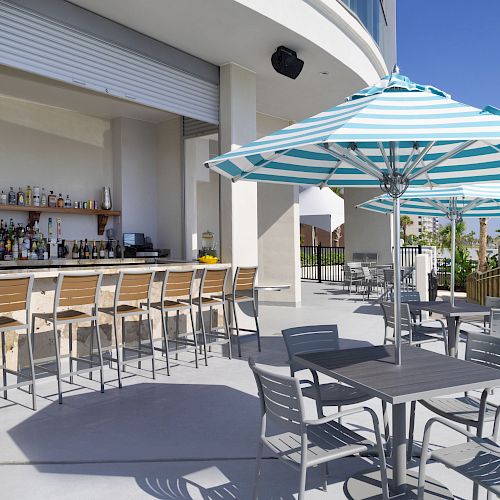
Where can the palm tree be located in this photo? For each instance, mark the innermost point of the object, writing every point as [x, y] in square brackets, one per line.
[483, 242]
[404, 222]
[460, 235]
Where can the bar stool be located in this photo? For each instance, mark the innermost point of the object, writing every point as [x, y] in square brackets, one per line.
[74, 289]
[131, 286]
[15, 295]
[212, 294]
[244, 291]
[176, 296]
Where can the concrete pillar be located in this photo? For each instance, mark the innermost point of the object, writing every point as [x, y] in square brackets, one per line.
[422, 270]
[238, 201]
[366, 231]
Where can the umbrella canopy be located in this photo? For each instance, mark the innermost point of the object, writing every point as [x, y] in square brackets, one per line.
[391, 134]
[321, 208]
[479, 200]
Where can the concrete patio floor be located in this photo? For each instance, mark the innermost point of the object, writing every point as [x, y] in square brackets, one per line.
[190, 435]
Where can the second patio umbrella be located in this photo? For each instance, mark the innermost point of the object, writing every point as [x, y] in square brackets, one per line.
[389, 135]
[479, 200]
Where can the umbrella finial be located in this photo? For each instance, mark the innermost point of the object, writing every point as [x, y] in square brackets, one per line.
[395, 70]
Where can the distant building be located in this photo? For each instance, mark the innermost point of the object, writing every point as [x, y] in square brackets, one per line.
[423, 225]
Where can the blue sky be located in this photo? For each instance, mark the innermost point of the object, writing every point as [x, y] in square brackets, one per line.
[453, 45]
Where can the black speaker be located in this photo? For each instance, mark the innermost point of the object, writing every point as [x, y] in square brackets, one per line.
[286, 62]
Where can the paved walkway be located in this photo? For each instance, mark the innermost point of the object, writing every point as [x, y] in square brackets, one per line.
[191, 435]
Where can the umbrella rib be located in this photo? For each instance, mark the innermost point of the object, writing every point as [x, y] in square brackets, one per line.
[341, 153]
[436, 204]
[384, 155]
[365, 158]
[496, 148]
[441, 159]
[473, 204]
[419, 158]
[260, 164]
[407, 165]
[322, 184]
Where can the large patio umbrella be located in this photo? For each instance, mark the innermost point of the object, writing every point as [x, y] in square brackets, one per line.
[389, 135]
[478, 200]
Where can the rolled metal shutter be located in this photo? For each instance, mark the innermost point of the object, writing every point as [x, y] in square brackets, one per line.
[196, 128]
[40, 45]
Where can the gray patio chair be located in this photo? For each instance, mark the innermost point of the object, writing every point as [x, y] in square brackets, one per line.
[483, 322]
[478, 459]
[469, 410]
[370, 280]
[352, 276]
[303, 443]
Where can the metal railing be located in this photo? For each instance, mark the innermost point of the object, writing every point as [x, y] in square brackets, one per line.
[443, 271]
[322, 263]
[479, 285]
[409, 254]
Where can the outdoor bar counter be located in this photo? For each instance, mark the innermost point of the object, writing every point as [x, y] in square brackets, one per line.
[42, 300]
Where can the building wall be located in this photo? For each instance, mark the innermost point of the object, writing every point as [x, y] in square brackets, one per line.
[63, 151]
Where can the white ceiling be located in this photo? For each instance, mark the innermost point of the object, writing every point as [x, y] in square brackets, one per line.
[222, 31]
[28, 87]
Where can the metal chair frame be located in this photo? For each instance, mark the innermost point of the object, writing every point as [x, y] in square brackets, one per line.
[176, 296]
[244, 291]
[71, 291]
[11, 300]
[482, 469]
[124, 279]
[352, 276]
[211, 294]
[282, 404]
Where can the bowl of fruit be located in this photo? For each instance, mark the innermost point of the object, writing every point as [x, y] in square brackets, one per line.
[208, 259]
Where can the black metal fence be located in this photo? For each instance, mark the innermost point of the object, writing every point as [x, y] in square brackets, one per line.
[409, 254]
[443, 272]
[322, 263]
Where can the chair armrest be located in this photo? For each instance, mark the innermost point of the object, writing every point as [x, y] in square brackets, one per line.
[339, 414]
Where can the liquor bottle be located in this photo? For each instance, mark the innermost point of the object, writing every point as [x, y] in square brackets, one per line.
[75, 253]
[15, 249]
[60, 201]
[111, 252]
[21, 199]
[86, 250]
[95, 254]
[102, 251]
[2, 249]
[29, 196]
[36, 196]
[81, 250]
[7, 248]
[50, 229]
[118, 251]
[3, 198]
[43, 198]
[12, 197]
[67, 202]
[52, 200]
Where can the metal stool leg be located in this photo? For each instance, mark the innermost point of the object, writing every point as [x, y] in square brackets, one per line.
[58, 362]
[124, 328]
[257, 327]
[99, 352]
[32, 368]
[139, 345]
[164, 326]
[237, 327]
[226, 328]
[70, 328]
[203, 335]
[210, 328]
[195, 338]
[91, 347]
[150, 330]
[411, 431]
[117, 344]
[4, 362]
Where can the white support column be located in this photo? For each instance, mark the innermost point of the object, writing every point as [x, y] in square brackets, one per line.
[238, 201]
[422, 270]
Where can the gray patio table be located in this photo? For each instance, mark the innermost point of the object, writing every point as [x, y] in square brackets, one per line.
[453, 315]
[422, 375]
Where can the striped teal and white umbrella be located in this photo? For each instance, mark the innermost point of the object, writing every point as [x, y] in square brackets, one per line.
[454, 202]
[388, 135]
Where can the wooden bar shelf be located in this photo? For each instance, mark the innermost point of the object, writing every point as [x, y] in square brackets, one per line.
[34, 213]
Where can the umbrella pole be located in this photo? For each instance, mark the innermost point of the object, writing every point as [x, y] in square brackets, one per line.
[397, 278]
[452, 277]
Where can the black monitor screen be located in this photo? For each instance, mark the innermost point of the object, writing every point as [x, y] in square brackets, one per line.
[133, 239]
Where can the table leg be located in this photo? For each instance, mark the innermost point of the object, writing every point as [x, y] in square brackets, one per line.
[399, 447]
[452, 335]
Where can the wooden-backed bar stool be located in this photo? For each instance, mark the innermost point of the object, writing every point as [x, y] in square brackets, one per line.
[212, 293]
[176, 296]
[244, 291]
[74, 290]
[133, 286]
[15, 296]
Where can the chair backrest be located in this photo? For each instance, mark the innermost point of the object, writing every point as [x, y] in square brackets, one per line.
[389, 275]
[178, 284]
[355, 265]
[213, 281]
[483, 349]
[281, 399]
[490, 301]
[410, 296]
[388, 313]
[244, 279]
[134, 285]
[366, 273]
[311, 338]
[77, 289]
[15, 292]
[495, 322]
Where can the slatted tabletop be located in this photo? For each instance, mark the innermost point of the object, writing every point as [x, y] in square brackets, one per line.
[445, 308]
[423, 374]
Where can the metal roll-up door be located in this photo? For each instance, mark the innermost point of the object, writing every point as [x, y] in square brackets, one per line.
[41, 45]
[196, 128]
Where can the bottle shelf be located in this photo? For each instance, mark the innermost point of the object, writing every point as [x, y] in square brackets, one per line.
[34, 213]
